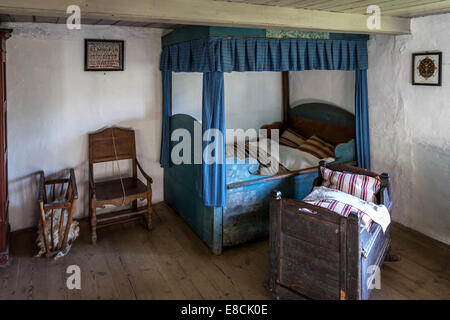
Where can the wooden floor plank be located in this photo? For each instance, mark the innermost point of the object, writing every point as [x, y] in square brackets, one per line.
[171, 262]
[209, 281]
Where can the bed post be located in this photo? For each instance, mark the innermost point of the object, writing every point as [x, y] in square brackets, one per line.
[350, 262]
[217, 232]
[286, 103]
[386, 199]
[274, 241]
[171, 97]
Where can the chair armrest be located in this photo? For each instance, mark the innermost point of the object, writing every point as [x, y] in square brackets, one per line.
[73, 183]
[146, 176]
[41, 187]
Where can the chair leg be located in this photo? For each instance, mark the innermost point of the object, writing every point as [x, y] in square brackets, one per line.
[149, 207]
[93, 215]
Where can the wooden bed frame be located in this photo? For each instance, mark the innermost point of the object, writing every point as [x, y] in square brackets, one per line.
[318, 254]
[246, 214]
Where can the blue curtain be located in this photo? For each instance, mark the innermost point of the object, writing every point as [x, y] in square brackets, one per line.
[362, 120]
[166, 113]
[262, 54]
[213, 117]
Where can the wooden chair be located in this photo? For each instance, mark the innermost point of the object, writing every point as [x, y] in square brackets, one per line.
[51, 203]
[114, 144]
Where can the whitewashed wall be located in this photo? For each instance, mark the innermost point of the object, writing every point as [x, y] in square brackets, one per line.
[410, 126]
[53, 104]
[252, 99]
[334, 87]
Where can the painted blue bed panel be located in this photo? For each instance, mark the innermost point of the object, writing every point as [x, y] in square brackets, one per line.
[244, 218]
[345, 152]
[185, 200]
[302, 186]
[325, 113]
[237, 172]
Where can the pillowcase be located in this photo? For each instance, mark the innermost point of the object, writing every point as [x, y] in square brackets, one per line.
[292, 139]
[361, 186]
[318, 148]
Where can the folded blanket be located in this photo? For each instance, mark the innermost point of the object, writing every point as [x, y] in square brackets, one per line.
[343, 203]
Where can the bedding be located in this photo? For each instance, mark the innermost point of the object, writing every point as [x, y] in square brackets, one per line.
[295, 159]
[317, 147]
[343, 204]
[288, 159]
[361, 186]
[291, 139]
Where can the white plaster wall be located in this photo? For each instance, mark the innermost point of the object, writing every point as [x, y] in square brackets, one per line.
[252, 99]
[53, 104]
[410, 126]
[334, 87]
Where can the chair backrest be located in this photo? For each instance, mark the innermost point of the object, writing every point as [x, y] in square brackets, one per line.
[101, 145]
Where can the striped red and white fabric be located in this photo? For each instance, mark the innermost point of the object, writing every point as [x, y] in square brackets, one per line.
[318, 148]
[344, 210]
[361, 186]
[290, 138]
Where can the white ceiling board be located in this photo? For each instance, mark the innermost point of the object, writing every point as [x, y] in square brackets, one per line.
[408, 8]
[210, 12]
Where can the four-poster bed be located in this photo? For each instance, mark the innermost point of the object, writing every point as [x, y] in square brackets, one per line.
[223, 202]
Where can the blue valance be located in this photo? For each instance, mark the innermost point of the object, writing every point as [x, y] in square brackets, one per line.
[264, 54]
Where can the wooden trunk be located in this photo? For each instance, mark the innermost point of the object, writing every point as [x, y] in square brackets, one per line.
[318, 254]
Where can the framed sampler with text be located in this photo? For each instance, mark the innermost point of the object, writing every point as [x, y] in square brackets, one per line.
[103, 55]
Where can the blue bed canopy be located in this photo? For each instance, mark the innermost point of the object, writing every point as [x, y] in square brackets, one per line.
[215, 50]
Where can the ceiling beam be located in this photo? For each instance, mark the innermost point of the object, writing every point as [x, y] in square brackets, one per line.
[208, 12]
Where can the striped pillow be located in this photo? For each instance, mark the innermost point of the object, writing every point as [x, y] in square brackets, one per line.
[344, 210]
[291, 139]
[318, 148]
[361, 186]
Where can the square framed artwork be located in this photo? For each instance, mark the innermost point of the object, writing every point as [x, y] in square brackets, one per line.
[426, 68]
[103, 55]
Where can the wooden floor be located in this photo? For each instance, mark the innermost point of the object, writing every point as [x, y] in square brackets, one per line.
[171, 262]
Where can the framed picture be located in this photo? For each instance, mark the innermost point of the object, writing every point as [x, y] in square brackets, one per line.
[426, 68]
[103, 55]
